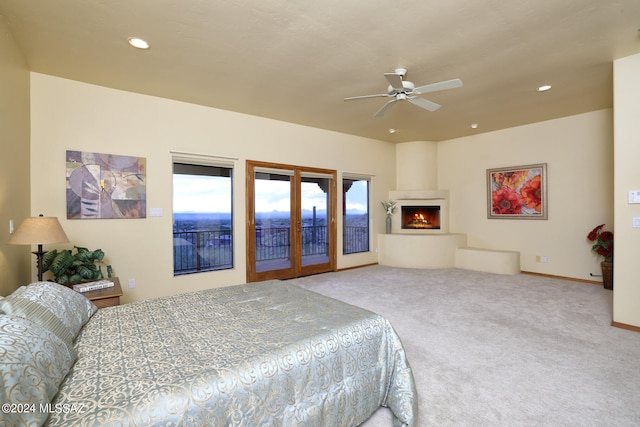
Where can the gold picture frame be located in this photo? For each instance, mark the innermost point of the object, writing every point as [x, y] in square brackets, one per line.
[517, 192]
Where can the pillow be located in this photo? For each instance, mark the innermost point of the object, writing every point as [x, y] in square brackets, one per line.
[33, 364]
[72, 308]
[40, 315]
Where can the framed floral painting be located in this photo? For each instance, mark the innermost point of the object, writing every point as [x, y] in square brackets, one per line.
[518, 192]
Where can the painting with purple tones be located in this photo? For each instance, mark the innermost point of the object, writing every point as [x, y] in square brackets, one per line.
[105, 186]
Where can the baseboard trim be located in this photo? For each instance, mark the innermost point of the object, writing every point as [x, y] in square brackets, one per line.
[625, 326]
[355, 266]
[573, 279]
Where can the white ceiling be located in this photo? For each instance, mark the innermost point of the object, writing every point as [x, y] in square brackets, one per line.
[295, 60]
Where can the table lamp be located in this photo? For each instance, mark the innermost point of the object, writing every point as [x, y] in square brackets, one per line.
[39, 231]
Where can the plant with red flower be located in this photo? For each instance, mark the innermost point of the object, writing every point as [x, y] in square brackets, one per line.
[602, 242]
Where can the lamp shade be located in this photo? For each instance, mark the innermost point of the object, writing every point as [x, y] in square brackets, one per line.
[38, 230]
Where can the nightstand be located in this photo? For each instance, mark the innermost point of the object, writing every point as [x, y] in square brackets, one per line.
[107, 297]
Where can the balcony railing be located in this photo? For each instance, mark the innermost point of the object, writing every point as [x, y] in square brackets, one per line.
[202, 250]
[213, 250]
[355, 239]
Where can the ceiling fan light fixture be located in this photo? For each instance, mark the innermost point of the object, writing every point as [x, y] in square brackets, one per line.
[403, 90]
[543, 88]
[138, 43]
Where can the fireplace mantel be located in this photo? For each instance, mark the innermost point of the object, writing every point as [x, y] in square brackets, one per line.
[419, 194]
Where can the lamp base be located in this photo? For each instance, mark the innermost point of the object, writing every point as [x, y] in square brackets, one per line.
[39, 255]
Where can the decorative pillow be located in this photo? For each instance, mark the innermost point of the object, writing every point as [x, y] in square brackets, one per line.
[72, 308]
[33, 364]
[40, 315]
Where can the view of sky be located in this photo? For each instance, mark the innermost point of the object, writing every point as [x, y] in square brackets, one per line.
[208, 194]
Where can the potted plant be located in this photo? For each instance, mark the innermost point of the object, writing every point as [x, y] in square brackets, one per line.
[69, 267]
[602, 245]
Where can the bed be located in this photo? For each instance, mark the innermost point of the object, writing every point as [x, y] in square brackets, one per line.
[267, 353]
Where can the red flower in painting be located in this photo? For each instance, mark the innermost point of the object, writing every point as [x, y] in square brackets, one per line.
[602, 242]
[532, 193]
[506, 201]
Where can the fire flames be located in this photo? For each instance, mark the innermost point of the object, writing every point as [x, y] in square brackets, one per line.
[419, 221]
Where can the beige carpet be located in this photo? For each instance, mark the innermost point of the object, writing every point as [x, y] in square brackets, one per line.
[494, 350]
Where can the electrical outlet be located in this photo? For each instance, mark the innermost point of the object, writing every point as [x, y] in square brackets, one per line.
[132, 283]
[544, 259]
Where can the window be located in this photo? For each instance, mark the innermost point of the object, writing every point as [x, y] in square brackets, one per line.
[202, 220]
[355, 198]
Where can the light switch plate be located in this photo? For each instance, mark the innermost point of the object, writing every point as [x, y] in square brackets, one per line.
[155, 212]
[636, 222]
[634, 197]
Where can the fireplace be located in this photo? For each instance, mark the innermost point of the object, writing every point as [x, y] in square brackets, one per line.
[420, 217]
[420, 212]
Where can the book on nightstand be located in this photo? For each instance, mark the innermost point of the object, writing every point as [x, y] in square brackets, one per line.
[92, 286]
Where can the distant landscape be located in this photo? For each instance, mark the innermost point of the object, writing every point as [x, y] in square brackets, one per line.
[204, 241]
[222, 221]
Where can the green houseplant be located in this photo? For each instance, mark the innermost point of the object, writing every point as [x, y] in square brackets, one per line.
[68, 267]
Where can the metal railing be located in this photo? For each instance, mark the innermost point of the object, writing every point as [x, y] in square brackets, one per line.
[275, 242]
[355, 239]
[202, 251]
[195, 251]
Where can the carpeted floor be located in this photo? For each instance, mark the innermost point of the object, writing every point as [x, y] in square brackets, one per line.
[496, 350]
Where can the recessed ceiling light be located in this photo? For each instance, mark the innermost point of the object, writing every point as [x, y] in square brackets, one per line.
[543, 88]
[392, 130]
[138, 43]
[474, 126]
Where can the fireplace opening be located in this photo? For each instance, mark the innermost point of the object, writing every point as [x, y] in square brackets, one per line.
[420, 217]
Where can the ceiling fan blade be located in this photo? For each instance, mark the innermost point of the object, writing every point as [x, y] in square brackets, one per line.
[434, 87]
[351, 98]
[384, 108]
[423, 103]
[395, 80]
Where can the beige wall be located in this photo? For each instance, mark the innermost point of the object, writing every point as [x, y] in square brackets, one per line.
[578, 151]
[626, 295]
[69, 115]
[15, 266]
[417, 165]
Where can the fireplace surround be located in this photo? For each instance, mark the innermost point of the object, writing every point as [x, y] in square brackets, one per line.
[419, 217]
[423, 245]
[433, 205]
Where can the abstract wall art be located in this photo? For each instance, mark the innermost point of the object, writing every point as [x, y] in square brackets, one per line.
[105, 186]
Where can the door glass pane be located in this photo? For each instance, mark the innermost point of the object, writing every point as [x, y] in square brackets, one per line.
[273, 221]
[314, 227]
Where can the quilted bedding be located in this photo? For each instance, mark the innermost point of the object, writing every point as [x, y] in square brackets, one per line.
[268, 353]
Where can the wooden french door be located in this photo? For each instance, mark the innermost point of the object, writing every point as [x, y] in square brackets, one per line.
[291, 227]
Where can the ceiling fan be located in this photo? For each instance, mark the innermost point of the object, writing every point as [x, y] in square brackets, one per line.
[401, 90]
